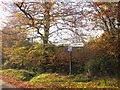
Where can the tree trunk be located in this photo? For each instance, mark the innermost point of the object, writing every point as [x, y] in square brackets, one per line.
[46, 23]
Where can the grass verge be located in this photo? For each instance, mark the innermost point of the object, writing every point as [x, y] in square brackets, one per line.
[23, 75]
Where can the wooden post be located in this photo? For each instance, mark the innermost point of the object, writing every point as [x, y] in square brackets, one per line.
[70, 58]
[70, 62]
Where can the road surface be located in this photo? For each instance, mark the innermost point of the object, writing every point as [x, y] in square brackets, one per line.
[4, 85]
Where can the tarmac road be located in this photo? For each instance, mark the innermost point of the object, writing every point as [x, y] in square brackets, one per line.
[4, 85]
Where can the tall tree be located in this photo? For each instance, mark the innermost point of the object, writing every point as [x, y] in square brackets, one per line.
[45, 16]
[107, 12]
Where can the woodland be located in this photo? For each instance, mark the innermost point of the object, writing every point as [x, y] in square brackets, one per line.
[31, 57]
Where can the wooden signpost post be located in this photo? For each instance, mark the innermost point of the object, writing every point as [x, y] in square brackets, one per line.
[70, 58]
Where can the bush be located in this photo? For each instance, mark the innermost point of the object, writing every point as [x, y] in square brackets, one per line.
[37, 58]
[101, 67]
[41, 58]
[78, 68]
[18, 74]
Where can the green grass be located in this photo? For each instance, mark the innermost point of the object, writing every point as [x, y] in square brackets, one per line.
[72, 81]
[23, 75]
[54, 80]
[48, 78]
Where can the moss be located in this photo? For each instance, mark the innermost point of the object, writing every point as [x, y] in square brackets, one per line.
[71, 81]
[48, 78]
[18, 74]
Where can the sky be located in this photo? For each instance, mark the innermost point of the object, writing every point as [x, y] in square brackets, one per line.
[3, 13]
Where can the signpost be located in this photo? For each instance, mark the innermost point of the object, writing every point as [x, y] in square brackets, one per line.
[70, 58]
[70, 53]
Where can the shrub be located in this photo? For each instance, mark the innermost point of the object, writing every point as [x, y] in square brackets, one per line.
[41, 58]
[37, 58]
[101, 67]
[78, 68]
[18, 74]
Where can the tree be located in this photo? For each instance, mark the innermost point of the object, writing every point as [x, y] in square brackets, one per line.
[12, 37]
[107, 12]
[47, 15]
